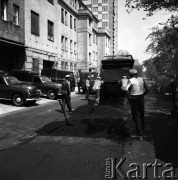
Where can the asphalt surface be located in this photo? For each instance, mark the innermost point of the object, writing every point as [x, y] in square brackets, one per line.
[51, 150]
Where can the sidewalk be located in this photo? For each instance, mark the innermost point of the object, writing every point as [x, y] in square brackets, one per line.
[78, 151]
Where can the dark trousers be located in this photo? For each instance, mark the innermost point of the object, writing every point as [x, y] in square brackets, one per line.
[87, 92]
[66, 100]
[137, 109]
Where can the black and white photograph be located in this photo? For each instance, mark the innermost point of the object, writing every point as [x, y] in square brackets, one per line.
[88, 89]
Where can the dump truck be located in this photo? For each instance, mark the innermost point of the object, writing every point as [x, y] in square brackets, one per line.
[112, 69]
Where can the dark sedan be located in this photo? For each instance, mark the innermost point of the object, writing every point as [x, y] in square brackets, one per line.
[16, 91]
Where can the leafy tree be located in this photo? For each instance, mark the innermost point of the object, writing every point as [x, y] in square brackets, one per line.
[152, 5]
[164, 44]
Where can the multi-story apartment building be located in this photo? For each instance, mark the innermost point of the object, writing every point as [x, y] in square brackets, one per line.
[11, 34]
[106, 11]
[61, 34]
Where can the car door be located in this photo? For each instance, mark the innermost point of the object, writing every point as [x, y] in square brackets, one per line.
[5, 91]
[36, 81]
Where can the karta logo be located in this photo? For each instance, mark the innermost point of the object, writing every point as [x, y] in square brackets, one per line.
[115, 168]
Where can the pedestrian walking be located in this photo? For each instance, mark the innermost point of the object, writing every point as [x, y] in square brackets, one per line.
[87, 87]
[136, 90]
[97, 88]
[66, 94]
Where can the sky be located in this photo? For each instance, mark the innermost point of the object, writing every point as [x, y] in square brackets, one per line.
[133, 30]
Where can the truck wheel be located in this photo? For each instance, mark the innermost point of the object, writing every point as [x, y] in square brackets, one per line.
[18, 100]
[51, 94]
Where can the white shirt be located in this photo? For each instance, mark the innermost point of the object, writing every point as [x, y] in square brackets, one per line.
[124, 83]
[137, 86]
[87, 83]
[98, 84]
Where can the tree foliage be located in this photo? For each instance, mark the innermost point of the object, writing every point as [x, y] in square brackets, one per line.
[164, 44]
[152, 5]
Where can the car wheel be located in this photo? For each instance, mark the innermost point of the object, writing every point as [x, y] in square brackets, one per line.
[51, 94]
[18, 100]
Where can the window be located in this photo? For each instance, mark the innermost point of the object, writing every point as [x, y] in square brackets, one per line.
[51, 1]
[75, 4]
[105, 8]
[75, 24]
[50, 31]
[71, 48]
[62, 42]
[35, 29]
[66, 22]
[70, 21]
[96, 39]
[89, 57]
[66, 66]
[75, 48]
[105, 1]
[15, 14]
[95, 9]
[4, 4]
[62, 16]
[105, 16]
[104, 24]
[93, 55]
[71, 66]
[90, 39]
[66, 44]
[95, 1]
[62, 64]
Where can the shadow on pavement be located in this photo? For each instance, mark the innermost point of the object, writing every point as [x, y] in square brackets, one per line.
[103, 122]
[164, 129]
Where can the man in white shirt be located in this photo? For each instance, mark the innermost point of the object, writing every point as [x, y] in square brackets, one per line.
[97, 87]
[136, 89]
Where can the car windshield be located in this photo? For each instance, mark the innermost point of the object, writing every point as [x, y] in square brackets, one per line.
[45, 79]
[12, 80]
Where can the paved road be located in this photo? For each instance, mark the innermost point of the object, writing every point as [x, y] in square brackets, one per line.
[20, 122]
[79, 151]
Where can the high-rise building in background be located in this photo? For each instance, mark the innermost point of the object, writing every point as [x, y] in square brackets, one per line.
[106, 11]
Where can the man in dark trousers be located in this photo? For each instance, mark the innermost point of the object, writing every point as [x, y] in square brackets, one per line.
[87, 87]
[136, 89]
[66, 93]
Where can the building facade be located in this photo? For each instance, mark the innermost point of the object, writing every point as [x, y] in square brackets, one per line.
[106, 11]
[12, 40]
[60, 34]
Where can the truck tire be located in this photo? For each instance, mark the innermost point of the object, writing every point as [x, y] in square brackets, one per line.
[51, 94]
[18, 100]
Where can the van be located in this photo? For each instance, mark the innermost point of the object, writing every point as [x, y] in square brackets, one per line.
[48, 88]
[58, 76]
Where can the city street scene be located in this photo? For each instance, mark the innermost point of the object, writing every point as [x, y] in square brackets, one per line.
[88, 89]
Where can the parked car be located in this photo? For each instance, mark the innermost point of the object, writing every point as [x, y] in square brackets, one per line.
[16, 91]
[48, 88]
[58, 76]
[83, 78]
